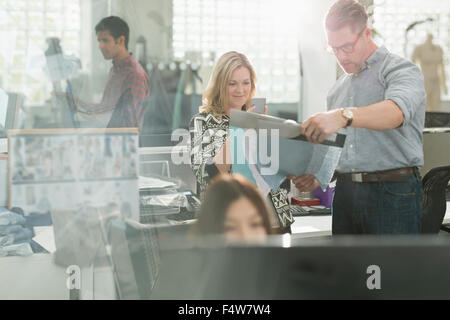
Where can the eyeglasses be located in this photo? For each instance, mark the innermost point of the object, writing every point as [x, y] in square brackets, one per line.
[346, 48]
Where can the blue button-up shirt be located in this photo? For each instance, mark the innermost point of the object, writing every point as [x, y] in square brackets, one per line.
[384, 76]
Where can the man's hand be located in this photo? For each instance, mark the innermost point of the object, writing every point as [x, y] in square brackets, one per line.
[321, 125]
[63, 97]
[304, 183]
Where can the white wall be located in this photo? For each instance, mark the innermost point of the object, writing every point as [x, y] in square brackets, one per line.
[149, 18]
[145, 17]
[95, 67]
[153, 18]
[319, 67]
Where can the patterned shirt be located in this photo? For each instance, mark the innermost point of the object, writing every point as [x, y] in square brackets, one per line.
[384, 76]
[125, 93]
[208, 134]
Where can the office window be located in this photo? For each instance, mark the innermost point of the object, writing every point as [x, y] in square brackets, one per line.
[392, 17]
[264, 30]
[24, 27]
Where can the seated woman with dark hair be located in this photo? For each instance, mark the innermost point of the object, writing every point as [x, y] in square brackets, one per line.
[233, 207]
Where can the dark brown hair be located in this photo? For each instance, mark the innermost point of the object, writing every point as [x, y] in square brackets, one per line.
[346, 12]
[116, 26]
[220, 194]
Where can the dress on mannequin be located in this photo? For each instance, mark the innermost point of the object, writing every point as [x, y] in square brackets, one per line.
[430, 58]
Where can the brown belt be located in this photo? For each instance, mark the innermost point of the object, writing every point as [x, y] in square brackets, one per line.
[395, 175]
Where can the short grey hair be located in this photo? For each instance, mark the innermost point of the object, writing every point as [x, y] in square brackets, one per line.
[346, 13]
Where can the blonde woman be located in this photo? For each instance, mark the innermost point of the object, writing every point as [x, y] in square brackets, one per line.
[231, 86]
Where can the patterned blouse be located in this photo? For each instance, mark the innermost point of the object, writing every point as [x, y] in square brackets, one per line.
[208, 134]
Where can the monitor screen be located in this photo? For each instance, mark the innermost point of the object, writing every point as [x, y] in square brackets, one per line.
[136, 254]
[3, 107]
[10, 110]
[343, 268]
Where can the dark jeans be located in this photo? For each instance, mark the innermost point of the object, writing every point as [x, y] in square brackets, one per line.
[378, 207]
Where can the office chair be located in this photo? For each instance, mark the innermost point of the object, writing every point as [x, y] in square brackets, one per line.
[434, 201]
[136, 253]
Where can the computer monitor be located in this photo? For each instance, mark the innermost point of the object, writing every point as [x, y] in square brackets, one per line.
[3, 107]
[135, 255]
[14, 113]
[64, 103]
[337, 268]
[10, 111]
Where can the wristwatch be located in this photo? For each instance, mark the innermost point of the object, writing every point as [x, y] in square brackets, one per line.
[347, 113]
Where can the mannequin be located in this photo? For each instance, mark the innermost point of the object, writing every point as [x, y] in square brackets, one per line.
[430, 57]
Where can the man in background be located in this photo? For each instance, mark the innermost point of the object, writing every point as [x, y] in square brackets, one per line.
[128, 84]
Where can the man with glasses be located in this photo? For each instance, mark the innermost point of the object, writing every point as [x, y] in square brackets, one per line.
[379, 103]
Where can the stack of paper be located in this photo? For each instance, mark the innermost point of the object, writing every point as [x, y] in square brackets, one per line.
[162, 204]
[289, 153]
[154, 183]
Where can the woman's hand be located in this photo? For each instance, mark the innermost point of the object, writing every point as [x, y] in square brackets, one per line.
[253, 108]
[222, 160]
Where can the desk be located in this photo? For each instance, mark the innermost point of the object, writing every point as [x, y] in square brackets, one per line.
[3, 178]
[311, 226]
[37, 277]
[317, 226]
[32, 278]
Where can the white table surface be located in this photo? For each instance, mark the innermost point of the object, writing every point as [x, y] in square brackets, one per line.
[32, 278]
[314, 226]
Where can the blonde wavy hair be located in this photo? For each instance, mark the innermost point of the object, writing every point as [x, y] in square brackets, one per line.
[346, 12]
[215, 97]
